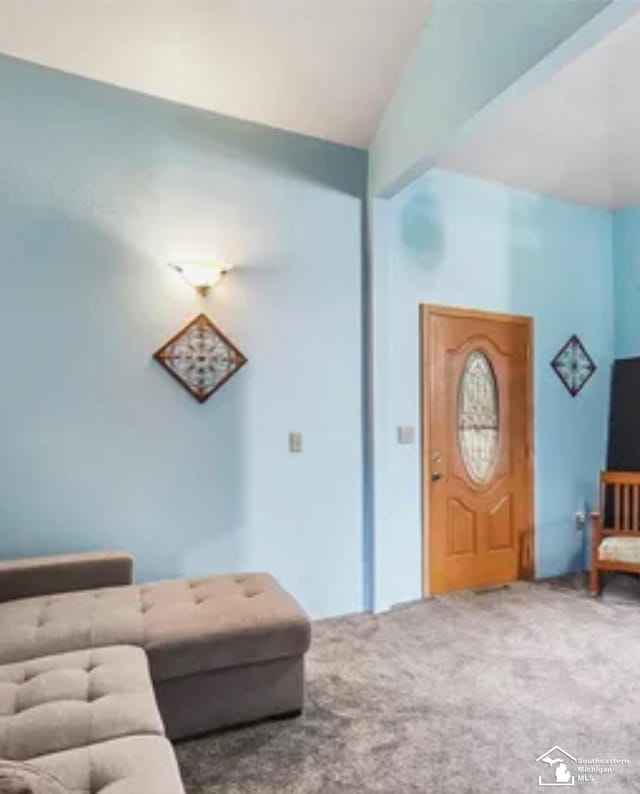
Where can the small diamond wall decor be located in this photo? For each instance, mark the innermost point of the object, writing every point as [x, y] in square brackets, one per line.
[200, 358]
[573, 365]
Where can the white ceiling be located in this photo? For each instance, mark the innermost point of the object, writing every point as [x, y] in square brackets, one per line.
[325, 68]
[576, 137]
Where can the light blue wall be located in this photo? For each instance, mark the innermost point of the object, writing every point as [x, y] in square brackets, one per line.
[460, 241]
[626, 248]
[469, 57]
[99, 446]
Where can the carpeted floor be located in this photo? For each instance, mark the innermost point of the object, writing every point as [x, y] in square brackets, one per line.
[459, 693]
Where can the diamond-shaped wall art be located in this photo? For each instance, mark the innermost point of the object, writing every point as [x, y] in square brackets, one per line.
[573, 365]
[200, 358]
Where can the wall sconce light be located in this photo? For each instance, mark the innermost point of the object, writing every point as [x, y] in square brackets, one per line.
[201, 275]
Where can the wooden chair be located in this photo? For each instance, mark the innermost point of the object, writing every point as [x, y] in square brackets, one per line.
[615, 539]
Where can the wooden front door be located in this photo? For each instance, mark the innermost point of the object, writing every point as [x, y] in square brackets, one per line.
[477, 449]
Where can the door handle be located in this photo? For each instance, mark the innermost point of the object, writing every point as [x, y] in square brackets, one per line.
[437, 475]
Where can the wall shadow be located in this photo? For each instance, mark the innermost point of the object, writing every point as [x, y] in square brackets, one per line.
[421, 228]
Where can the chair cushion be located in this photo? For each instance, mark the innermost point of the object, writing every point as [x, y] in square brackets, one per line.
[186, 626]
[74, 699]
[133, 765]
[619, 549]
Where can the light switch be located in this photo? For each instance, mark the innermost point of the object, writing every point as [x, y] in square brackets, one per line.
[295, 442]
[406, 434]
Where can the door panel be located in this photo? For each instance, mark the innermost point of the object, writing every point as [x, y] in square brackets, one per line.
[461, 529]
[501, 525]
[477, 426]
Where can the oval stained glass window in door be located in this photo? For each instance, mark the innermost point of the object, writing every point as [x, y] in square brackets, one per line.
[478, 417]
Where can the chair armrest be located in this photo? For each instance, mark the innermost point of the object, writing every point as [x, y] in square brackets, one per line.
[61, 573]
[596, 537]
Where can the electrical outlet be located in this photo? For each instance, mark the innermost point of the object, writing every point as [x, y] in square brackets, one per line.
[581, 520]
[295, 442]
[406, 434]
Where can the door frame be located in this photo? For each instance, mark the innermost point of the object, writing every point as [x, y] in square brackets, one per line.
[526, 555]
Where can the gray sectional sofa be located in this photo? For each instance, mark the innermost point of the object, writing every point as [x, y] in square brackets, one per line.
[96, 673]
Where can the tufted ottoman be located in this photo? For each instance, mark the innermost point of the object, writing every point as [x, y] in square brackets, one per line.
[222, 649]
[75, 699]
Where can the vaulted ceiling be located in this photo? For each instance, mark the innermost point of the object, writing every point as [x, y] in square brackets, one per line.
[576, 136]
[317, 67]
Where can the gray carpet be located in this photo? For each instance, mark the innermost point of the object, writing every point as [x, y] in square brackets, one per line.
[459, 693]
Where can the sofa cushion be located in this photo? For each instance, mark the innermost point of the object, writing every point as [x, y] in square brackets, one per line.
[20, 778]
[186, 626]
[618, 549]
[73, 699]
[61, 573]
[132, 765]
[44, 625]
